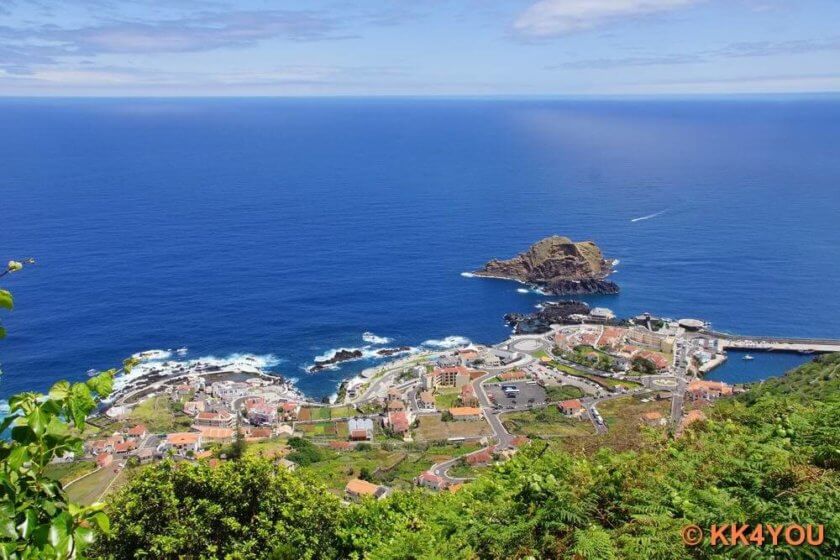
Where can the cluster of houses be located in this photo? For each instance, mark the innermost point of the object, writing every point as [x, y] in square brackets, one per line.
[128, 442]
[215, 412]
[216, 408]
[624, 344]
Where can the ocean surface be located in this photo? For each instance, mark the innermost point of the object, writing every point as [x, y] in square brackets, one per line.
[287, 228]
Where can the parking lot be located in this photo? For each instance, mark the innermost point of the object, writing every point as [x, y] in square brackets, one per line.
[528, 393]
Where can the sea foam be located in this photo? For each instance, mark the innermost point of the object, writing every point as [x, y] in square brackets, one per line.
[448, 342]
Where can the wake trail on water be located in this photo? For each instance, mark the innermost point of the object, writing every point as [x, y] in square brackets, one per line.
[649, 216]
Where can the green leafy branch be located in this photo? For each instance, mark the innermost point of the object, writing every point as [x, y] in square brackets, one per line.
[37, 520]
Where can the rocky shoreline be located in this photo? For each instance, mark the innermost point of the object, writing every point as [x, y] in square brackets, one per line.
[349, 354]
[555, 312]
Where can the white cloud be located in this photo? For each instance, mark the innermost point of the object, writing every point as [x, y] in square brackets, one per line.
[548, 18]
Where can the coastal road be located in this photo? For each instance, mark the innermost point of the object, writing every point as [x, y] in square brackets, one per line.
[503, 437]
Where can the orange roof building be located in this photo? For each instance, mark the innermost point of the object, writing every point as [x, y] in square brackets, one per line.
[465, 413]
[358, 489]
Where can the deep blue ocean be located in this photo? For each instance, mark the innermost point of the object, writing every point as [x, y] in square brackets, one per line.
[289, 227]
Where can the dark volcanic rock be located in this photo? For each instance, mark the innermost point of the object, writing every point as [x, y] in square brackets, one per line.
[392, 351]
[559, 266]
[579, 287]
[556, 312]
[341, 355]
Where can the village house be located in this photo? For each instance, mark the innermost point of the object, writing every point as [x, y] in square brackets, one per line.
[653, 418]
[432, 481]
[106, 445]
[467, 396]
[455, 376]
[428, 381]
[258, 433]
[357, 490]
[126, 446]
[393, 395]
[398, 423]
[181, 391]
[701, 389]
[658, 360]
[465, 413]
[145, 455]
[285, 430]
[395, 406]
[448, 360]
[248, 402]
[467, 355]
[571, 407]
[228, 390]
[360, 429]
[611, 338]
[290, 410]
[139, 431]
[183, 442]
[214, 433]
[261, 414]
[104, 459]
[222, 419]
[490, 358]
[192, 408]
[426, 401]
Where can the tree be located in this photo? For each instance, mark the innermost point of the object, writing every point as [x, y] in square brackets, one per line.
[245, 509]
[37, 520]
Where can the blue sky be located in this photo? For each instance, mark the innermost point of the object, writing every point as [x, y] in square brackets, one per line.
[408, 47]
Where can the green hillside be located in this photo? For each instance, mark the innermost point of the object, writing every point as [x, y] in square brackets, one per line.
[768, 457]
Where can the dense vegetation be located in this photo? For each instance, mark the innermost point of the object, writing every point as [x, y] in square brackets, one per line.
[770, 456]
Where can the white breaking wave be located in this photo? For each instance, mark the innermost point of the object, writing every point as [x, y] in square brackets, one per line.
[448, 342]
[156, 361]
[367, 353]
[523, 290]
[371, 338]
[649, 216]
[153, 355]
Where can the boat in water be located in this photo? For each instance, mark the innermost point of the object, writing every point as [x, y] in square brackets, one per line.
[748, 357]
[91, 372]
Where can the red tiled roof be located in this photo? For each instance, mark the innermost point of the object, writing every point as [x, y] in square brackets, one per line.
[571, 404]
[137, 430]
[361, 487]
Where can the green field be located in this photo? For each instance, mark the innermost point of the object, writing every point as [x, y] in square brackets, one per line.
[160, 415]
[396, 467]
[343, 412]
[603, 381]
[65, 472]
[557, 393]
[90, 488]
[446, 398]
[314, 413]
[546, 421]
[626, 428]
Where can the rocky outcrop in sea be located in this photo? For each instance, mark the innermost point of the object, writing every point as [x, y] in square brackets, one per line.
[557, 265]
